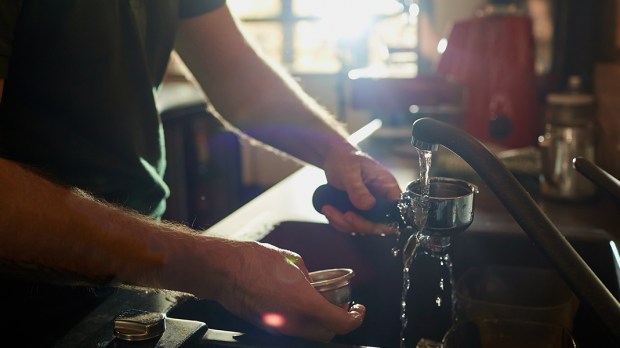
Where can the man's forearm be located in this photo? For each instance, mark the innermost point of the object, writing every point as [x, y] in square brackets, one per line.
[253, 95]
[277, 112]
[287, 118]
[283, 116]
[61, 229]
[45, 224]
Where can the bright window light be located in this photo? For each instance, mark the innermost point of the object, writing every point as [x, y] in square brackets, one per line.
[442, 45]
[323, 36]
[348, 18]
[255, 9]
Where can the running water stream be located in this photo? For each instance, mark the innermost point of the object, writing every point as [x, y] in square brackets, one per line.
[426, 302]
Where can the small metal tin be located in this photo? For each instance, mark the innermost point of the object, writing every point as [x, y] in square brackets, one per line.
[334, 285]
[138, 325]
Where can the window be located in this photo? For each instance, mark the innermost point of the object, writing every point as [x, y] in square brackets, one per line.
[329, 36]
[402, 36]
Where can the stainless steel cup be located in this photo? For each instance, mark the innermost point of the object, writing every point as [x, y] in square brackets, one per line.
[334, 284]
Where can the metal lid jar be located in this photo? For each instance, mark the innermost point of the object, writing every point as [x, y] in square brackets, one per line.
[569, 132]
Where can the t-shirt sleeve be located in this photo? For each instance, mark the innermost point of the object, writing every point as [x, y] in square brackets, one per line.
[191, 8]
[9, 9]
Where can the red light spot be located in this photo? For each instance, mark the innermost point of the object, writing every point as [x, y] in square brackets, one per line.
[273, 319]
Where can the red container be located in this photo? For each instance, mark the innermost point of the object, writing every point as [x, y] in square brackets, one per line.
[493, 57]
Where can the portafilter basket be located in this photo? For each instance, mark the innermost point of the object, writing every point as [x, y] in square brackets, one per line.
[450, 205]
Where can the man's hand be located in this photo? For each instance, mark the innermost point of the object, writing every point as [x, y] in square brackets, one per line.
[278, 296]
[365, 180]
[268, 286]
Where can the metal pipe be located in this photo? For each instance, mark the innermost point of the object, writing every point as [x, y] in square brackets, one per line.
[545, 235]
[598, 176]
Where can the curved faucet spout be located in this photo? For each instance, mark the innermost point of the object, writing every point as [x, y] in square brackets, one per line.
[575, 271]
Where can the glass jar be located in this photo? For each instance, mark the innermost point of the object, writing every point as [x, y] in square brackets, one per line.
[570, 131]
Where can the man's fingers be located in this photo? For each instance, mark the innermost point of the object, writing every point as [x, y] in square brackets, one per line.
[350, 222]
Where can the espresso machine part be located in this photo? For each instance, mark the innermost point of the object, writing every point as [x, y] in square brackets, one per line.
[137, 325]
[569, 133]
[591, 291]
[384, 211]
[492, 56]
[600, 177]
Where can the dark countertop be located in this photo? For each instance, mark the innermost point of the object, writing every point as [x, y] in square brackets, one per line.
[598, 219]
[594, 220]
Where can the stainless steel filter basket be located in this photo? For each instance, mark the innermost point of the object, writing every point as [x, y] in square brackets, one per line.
[450, 205]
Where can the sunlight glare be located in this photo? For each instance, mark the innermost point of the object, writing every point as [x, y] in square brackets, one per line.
[346, 22]
[414, 10]
[273, 320]
[442, 45]
[349, 19]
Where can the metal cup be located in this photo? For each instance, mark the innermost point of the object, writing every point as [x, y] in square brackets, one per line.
[450, 208]
[334, 284]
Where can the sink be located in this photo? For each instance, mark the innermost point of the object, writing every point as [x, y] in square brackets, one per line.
[378, 279]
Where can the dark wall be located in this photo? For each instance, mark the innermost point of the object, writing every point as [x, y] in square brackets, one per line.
[584, 35]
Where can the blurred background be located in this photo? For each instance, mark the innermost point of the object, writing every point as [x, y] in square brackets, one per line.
[384, 59]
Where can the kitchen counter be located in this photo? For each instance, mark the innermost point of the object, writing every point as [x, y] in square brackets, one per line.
[290, 209]
[599, 215]
[289, 202]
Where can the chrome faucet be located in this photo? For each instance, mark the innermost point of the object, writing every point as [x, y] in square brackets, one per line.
[428, 133]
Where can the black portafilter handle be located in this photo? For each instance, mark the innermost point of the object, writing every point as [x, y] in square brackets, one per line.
[384, 211]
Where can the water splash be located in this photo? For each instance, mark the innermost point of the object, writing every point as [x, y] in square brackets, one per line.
[413, 207]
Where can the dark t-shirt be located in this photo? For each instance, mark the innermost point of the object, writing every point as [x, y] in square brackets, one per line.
[78, 103]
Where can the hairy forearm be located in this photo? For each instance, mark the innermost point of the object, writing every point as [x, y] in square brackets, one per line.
[253, 95]
[57, 228]
[46, 224]
[283, 116]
